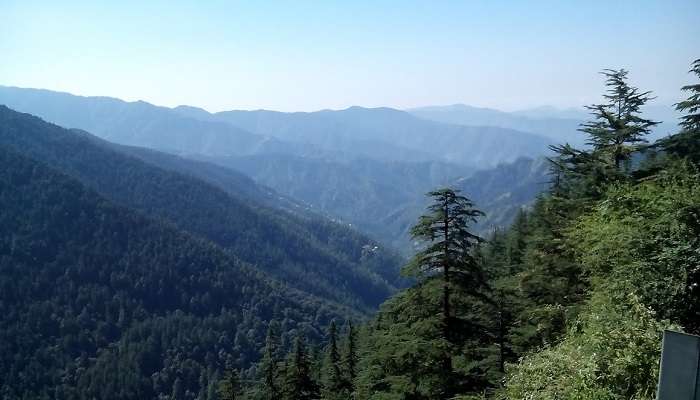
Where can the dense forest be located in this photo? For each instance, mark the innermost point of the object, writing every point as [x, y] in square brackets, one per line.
[349, 200]
[568, 303]
[98, 301]
[122, 275]
[308, 253]
[130, 273]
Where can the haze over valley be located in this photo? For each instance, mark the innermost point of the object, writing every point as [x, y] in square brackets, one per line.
[364, 167]
[349, 200]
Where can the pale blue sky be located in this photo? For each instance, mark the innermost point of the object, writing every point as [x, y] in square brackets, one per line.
[299, 55]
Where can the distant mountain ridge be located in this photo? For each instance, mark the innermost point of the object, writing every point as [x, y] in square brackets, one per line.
[378, 133]
[386, 134]
[365, 167]
[557, 129]
[140, 123]
[559, 125]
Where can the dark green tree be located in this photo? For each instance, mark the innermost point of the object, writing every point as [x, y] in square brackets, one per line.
[299, 383]
[447, 260]
[332, 373]
[448, 250]
[618, 130]
[350, 357]
[230, 385]
[686, 144]
[269, 369]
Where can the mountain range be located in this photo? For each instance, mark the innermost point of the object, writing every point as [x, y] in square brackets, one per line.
[387, 134]
[384, 134]
[366, 168]
[557, 129]
[119, 249]
[558, 125]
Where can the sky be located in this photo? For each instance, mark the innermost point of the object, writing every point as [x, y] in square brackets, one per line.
[311, 55]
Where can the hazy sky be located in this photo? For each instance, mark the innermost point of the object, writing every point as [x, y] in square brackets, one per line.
[298, 55]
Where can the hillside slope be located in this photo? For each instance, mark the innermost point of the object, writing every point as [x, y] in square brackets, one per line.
[505, 190]
[97, 301]
[385, 198]
[312, 257]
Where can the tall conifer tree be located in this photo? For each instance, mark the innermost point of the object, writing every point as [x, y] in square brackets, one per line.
[269, 364]
[448, 254]
[299, 383]
[686, 143]
[350, 357]
[229, 387]
[332, 383]
[618, 130]
[448, 251]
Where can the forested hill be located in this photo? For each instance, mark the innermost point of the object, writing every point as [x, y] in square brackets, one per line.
[383, 134]
[368, 167]
[318, 257]
[97, 301]
[570, 302]
[384, 199]
[503, 192]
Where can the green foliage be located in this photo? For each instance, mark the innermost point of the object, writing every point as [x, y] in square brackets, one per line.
[637, 245]
[686, 144]
[444, 230]
[616, 134]
[618, 129]
[647, 236]
[230, 386]
[691, 121]
[611, 352]
[98, 301]
[350, 358]
[299, 383]
[403, 353]
[579, 289]
[269, 365]
[416, 347]
[332, 369]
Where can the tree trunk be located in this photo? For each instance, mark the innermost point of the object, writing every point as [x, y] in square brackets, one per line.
[447, 325]
[446, 279]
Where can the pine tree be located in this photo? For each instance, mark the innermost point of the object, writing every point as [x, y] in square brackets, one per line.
[332, 382]
[229, 387]
[618, 129]
[691, 121]
[299, 384]
[579, 175]
[269, 389]
[448, 256]
[448, 251]
[686, 144]
[350, 358]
